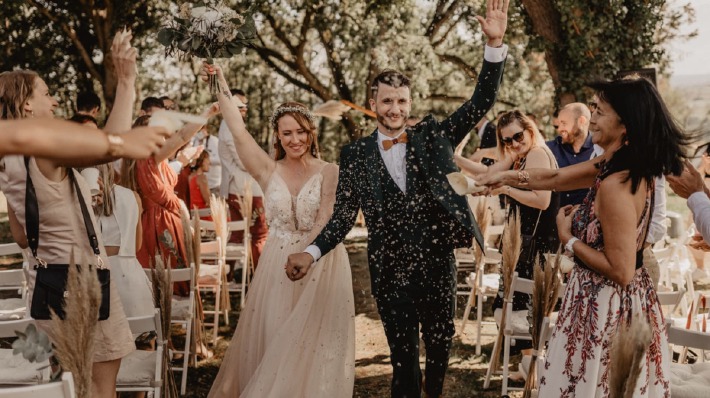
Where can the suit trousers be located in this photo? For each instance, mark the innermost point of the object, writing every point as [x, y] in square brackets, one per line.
[425, 295]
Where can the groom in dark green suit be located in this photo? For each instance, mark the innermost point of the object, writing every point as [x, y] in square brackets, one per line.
[397, 176]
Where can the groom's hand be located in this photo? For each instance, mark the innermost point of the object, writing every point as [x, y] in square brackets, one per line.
[496, 21]
[297, 265]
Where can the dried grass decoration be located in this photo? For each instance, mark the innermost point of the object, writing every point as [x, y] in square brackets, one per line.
[545, 293]
[208, 29]
[512, 242]
[628, 352]
[218, 208]
[163, 295]
[74, 336]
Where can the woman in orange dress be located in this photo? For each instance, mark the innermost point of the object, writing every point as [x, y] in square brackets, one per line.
[155, 181]
[199, 189]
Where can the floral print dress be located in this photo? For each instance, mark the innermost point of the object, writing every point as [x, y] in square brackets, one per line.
[593, 307]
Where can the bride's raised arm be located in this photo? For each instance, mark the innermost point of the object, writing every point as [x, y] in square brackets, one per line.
[256, 161]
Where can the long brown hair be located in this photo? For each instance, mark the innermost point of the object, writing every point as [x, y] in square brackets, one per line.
[128, 166]
[16, 88]
[304, 118]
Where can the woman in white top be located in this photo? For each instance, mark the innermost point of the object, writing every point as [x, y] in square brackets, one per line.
[119, 211]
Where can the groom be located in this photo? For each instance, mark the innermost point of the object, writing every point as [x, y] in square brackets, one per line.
[397, 176]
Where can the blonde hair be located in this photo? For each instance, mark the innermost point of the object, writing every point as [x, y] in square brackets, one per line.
[107, 175]
[528, 125]
[304, 118]
[16, 87]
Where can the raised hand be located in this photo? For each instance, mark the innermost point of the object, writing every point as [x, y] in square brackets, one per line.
[143, 142]
[124, 55]
[496, 21]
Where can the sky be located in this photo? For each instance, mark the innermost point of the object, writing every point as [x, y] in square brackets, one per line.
[692, 57]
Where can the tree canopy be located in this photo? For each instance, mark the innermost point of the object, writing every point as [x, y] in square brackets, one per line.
[315, 51]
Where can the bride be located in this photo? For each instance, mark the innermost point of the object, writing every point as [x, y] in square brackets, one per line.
[294, 338]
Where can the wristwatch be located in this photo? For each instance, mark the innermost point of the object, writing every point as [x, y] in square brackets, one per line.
[569, 246]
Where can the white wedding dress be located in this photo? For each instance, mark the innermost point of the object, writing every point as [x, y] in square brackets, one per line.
[293, 339]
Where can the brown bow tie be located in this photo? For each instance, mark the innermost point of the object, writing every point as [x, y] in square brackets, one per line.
[402, 139]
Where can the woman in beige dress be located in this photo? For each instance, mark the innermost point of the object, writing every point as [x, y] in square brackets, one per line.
[294, 338]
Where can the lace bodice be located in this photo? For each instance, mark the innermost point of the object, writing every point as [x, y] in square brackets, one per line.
[288, 213]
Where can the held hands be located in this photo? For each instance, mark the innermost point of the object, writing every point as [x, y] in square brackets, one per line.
[143, 142]
[124, 55]
[564, 222]
[687, 183]
[298, 265]
[496, 21]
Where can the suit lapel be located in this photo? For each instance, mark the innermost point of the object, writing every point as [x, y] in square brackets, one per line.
[372, 159]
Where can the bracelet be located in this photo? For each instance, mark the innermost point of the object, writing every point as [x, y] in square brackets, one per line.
[569, 246]
[115, 145]
[523, 177]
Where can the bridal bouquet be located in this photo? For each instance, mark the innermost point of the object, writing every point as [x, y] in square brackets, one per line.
[207, 29]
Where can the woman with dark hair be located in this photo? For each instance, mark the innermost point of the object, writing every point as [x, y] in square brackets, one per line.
[605, 234]
[521, 146]
[294, 338]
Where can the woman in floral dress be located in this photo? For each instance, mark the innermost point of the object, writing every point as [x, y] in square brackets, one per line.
[609, 285]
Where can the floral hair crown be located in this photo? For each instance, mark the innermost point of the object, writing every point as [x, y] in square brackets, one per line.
[280, 111]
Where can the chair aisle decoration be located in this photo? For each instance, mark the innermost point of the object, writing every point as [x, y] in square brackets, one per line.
[163, 294]
[74, 335]
[243, 254]
[512, 242]
[544, 298]
[627, 351]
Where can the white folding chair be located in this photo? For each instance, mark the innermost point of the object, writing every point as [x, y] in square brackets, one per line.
[143, 370]
[211, 278]
[13, 280]
[689, 380]
[511, 331]
[182, 312]
[59, 389]
[14, 369]
[670, 301]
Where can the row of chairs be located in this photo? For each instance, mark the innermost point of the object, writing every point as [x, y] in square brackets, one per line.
[140, 370]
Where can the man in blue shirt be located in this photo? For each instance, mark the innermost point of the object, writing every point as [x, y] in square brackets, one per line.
[573, 145]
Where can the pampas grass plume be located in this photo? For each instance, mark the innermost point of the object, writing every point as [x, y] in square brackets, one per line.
[627, 356]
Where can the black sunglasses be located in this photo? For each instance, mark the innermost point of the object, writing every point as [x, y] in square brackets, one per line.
[518, 137]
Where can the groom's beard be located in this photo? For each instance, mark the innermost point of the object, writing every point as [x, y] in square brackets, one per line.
[391, 128]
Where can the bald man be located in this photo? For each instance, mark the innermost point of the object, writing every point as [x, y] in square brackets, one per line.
[573, 145]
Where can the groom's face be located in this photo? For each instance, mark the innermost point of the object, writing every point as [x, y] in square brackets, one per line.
[392, 106]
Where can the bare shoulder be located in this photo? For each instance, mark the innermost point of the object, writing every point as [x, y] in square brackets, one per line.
[538, 158]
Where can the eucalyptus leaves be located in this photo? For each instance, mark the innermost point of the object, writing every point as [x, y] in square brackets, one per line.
[207, 29]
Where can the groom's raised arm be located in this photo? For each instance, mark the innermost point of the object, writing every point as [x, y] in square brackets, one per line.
[464, 119]
[494, 25]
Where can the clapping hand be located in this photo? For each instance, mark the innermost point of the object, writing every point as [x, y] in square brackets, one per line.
[496, 21]
[687, 183]
[564, 222]
[124, 55]
[143, 142]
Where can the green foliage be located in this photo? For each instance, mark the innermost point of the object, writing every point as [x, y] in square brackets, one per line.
[597, 39]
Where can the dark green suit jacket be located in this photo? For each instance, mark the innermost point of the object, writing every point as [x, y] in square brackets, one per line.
[433, 142]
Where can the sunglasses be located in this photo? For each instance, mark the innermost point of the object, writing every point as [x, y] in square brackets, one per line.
[518, 137]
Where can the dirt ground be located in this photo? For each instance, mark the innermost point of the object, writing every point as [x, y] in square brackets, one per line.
[372, 367]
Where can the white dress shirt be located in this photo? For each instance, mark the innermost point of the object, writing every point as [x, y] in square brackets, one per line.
[395, 159]
[234, 175]
[699, 204]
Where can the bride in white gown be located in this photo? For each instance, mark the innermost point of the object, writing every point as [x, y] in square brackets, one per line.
[293, 339]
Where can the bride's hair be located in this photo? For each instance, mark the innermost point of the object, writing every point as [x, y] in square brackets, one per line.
[304, 118]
